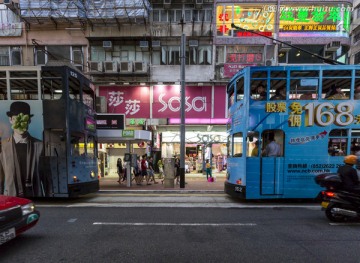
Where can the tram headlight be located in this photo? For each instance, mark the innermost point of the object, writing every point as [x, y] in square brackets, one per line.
[92, 174]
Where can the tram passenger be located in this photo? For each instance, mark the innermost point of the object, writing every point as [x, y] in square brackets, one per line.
[261, 91]
[272, 149]
[280, 94]
[335, 93]
[306, 96]
[255, 150]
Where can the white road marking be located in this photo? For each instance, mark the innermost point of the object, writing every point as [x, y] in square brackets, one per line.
[344, 224]
[72, 220]
[172, 224]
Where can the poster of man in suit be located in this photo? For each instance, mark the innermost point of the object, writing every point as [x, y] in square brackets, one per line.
[21, 151]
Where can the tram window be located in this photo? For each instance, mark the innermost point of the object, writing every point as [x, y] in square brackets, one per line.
[77, 145]
[239, 89]
[336, 89]
[252, 144]
[88, 97]
[273, 143]
[304, 89]
[259, 91]
[74, 88]
[90, 146]
[231, 98]
[338, 141]
[3, 89]
[24, 89]
[355, 142]
[237, 144]
[278, 89]
[51, 89]
[357, 89]
[229, 146]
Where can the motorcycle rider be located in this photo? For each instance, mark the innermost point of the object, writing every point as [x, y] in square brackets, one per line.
[348, 173]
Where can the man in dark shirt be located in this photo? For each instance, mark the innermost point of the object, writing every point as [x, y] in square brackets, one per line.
[348, 173]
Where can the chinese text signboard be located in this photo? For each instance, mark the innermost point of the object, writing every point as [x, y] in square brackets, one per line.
[134, 102]
[260, 18]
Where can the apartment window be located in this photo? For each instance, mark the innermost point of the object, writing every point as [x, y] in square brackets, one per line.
[40, 56]
[205, 55]
[10, 56]
[189, 15]
[73, 54]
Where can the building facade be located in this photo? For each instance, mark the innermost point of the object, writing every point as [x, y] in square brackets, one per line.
[131, 51]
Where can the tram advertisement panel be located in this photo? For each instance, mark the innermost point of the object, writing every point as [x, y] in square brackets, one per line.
[21, 132]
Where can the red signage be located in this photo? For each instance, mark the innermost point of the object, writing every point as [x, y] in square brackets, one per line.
[244, 58]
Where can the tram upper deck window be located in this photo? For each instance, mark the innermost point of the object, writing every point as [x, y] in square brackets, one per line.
[304, 85]
[74, 88]
[24, 85]
[231, 98]
[51, 88]
[357, 89]
[278, 89]
[336, 84]
[3, 86]
[88, 96]
[239, 89]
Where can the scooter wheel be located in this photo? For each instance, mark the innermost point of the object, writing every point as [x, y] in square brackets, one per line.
[332, 216]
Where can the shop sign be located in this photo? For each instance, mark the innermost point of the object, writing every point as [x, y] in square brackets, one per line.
[128, 134]
[137, 121]
[110, 121]
[195, 137]
[314, 18]
[231, 69]
[209, 138]
[256, 17]
[10, 29]
[167, 102]
[134, 102]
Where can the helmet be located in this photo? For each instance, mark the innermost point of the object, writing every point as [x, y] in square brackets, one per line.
[350, 159]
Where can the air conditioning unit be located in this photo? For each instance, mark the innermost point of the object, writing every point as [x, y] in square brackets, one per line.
[270, 62]
[199, 3]
[95, 66]
[284, 47]
[167, 4]
[193, 43]
[144, 45]
[107, 44]
[155, 44]
[140, 66]
[126, 66]
[8, 2]
[111, 66]
[333, 46]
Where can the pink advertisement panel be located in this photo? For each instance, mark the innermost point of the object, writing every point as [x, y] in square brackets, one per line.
[134, 102]
[219, 101]
[166, 102]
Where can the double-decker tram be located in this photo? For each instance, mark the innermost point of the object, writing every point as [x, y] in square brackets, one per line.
[48, 132]
[288, 124]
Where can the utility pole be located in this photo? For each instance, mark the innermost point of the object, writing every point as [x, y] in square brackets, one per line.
[182, 111]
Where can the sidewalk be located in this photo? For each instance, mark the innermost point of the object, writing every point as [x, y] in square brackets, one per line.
[194, 182]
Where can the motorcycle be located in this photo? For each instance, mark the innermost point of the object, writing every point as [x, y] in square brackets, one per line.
[340, 205]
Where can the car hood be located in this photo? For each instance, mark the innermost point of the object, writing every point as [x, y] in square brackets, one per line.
[11, 201]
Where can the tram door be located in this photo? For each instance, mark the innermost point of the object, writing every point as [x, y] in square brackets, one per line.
[272, 163]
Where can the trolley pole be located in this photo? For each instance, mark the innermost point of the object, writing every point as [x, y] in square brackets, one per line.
[182, 112]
